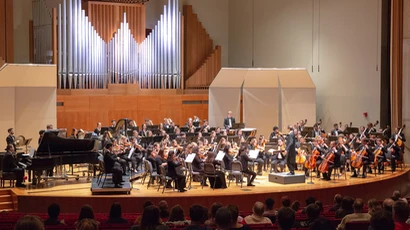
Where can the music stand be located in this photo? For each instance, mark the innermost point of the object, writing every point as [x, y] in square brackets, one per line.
[27, 142]
[238, 125]
[195, 123]
[308, 149]
[190, 158]
[253, 154]
[350, 130]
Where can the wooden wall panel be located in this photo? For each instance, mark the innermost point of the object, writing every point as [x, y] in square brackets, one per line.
[84, 111]
[6, 31]
[106, 18]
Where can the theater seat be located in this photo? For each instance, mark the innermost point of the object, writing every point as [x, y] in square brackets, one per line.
[359, 225]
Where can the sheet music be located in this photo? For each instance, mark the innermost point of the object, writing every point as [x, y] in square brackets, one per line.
[220, 156]
[131, 152]
[253, 154]
[190, 158]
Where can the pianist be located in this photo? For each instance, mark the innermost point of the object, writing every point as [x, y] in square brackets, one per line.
[10, 164]
[112, 165]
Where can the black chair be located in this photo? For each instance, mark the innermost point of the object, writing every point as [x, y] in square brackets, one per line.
[210, 172]
[191, 174]
[103, 173]
[10, 176]
[152, 175]
[236, 171]
[165, 179]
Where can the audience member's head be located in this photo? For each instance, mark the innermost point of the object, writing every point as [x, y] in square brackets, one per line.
[214, 208]
[396, 195]
[358, 205]
[269, 202]
[234, 214]
[286, 218]
[87, 224]
[29, 223]
[388, 205]
[150, 218]
[53, 211]
[338, 199]
[258, 208]
[115, 211]
[223, 219]
[400, 211]
[322, 224]
[196, 213]
[163, 208]
[285, 200]
[320, 205]
[312, 211]
[374, 205]
[347, 203]
[86, 212]
[177, 214]
[381, 220]
[310, 200]
[295, 205]
[146, 204]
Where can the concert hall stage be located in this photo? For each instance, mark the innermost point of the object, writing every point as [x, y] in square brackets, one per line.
[71, 195]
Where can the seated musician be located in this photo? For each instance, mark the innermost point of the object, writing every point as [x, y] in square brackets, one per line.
[74, 133]
[396, 136]
[173, 164]
[97, 130]
[335, 131]
[143, 131]
[381, 157]
[253, 145]
[197, 164]
[148, 122]
[112, 165]
[218, 131]
[322, 148]
[316, 131]
[205, 126]
[105, 138]
[275, 133]
[392, 153]
[189, 123]
[366, 159]
[278, 159]
[336, 160]
[220, 180]
[119, 151]
[10, 164]
[244, 159]
[213, 137]
[240, 135]
[113, 124]
[136, 156]
[228, 157]
[155, 160]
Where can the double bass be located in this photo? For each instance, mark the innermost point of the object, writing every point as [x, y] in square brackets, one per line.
[399, 141]
[324, 166]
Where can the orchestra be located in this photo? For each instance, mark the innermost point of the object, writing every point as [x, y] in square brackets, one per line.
[304, 148]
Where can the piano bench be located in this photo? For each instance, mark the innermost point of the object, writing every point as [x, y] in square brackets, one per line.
[10, 176]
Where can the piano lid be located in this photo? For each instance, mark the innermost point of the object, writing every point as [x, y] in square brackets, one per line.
[52, 143]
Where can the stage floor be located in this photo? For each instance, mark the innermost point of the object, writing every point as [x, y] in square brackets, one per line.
[378, 186]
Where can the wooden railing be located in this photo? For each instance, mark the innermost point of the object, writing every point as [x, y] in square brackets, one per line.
[106, 18]
[204, 76]
[200, 56]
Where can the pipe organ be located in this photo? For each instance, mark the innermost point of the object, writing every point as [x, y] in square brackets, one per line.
[87, 61]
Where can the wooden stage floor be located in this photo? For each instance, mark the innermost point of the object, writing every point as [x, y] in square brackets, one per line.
[77, 193]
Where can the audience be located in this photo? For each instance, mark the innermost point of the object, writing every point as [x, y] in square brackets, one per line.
[53, 213]
[312, 213]
[29, 223]
[197, 213]
[396, 195]
[86, 212]
[322, 224]
[358, 215]
[374, 206]
[214, 208]
[257, 215]
[177, 216]
[87, 224]
[144, 205]
[346, 207]
[223, 219]
[400, 215]
[163, 210]
[296, 206]
[309, 200]
[150, 220]
[269, 211]
[337, 200]
[286, 218]
[285, 200]
[388, 206]
[320, 205]
[235, 224]
[381, 220]
[116, 215]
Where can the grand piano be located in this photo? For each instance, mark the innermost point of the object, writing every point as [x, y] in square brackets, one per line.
[56, 151]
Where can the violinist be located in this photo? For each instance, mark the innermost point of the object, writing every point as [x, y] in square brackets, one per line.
[393, 152]
[228, 158]
[253, 145]
[379, 155]
[213, 137]
[205, 126]
[275, 133]
[244, 159]
[136, 155]
[240, 136]
[316, 131]
[220, 180]
[278, 159]
[197, 164]
[332, 163]
[173, 164]
[266, 156]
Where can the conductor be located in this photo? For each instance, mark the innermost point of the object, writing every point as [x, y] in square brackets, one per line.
[290, 151]
[229, 120]
[112, 165]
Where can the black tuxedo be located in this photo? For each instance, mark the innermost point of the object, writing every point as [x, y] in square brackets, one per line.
[112, 165]
[10, 139]
[244, 159]
[226, 122]
[10, 164]
[291, 152]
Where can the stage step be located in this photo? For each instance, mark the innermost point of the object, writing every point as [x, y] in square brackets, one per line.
[5, 198]
[5, 191]
[284, 178]
[6, 205]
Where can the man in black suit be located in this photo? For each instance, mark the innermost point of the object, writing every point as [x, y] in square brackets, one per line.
[336, 131]
[291, 151]
[244, 159]
[10, 139]
[229, 121]
[112, 165]
[10, 164]
[275, 133]
[97, 130]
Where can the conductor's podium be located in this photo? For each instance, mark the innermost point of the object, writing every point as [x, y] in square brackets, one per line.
[283, 178]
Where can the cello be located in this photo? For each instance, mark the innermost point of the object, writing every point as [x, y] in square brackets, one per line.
[324, 166]
[357, 162]
[311, 162]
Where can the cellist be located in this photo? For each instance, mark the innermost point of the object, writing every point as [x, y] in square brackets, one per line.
[336, 160]
[380, 157]
[366, 159]
[322, 148]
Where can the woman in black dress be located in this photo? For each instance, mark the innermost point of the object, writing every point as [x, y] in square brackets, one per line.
[220, 180]
[173, 171]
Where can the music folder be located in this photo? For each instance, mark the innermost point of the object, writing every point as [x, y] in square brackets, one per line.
[190, 158]
[253, 154]
[220, 156]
